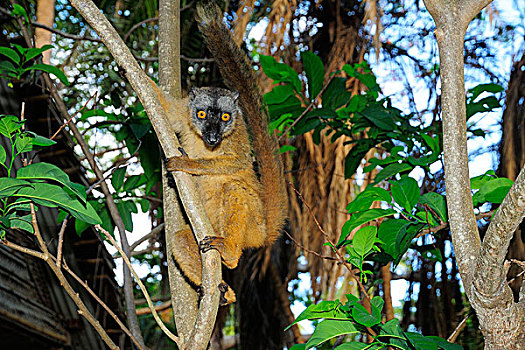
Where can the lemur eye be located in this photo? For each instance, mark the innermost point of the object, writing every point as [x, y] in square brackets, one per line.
[201, 114]
[225, 117]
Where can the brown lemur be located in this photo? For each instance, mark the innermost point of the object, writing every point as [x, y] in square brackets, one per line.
[245, 210]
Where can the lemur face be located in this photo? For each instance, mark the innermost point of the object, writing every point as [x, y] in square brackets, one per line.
[213, 113]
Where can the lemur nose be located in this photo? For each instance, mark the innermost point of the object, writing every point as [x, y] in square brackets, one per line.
[212, 139]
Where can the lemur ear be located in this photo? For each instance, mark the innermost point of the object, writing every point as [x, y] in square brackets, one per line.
[235, 95]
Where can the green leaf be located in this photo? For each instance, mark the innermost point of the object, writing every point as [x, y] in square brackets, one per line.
[378, 302]
[391, 170]
[287, 148]
[117, 179]
[53, 196]
[357, 346]
[3, 154]
[491, 88]
[443, 344]
[280, 72]
[421, 342]
[278, 94]
[33, 52]
[362, 316]
[388, 233]
[437, 203]
[364, 240]
[478, 181]
[495, 190]
[336, 95]
[10, 53]
[305, 125]
[40, 141]
[46, 171]
[405, 192]
[379, 116]
[50, 69]
[298, 347]
[327, 309]
[393, 331]
[9, 186]
[329, 329]
[314, 69]
[134, 181]
[361, 218]
[22, 223]
[9, 124]
[125, 214]
[404, 239]
[23, 143]
[365, 199]
[20, 11]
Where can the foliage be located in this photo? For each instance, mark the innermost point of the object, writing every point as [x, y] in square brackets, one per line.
[21, 60]
[402, 211]
[39, 183]
[351, 318]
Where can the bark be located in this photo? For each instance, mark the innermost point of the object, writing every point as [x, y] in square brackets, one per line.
[481, 267]
[45, 14]
[188, 194]
[184, 298]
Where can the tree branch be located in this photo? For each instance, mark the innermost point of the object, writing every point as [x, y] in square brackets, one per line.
[490, 272]
[142, 287]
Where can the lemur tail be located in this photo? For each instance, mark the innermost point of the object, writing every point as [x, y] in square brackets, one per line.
[238, 76]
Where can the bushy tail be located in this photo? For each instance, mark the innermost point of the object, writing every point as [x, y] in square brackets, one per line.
[238, 76]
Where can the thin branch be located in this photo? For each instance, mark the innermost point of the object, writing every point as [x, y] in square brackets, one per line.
[452, 338]
[23, 249]
[65, 35]
[61, 242]
[336, 251]
[152, 233]
[73, 116]
[82, 309]
[146, 310]
[308, 250]
[136, 26]
[142, 287]
[101, 303]
[307, 108]
[490, 272]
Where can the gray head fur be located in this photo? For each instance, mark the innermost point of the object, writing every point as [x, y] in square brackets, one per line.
[215, 102]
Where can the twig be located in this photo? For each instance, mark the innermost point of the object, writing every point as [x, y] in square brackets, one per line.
[459, 328]
[152, 233]
[308, 250]
[101, 303]
[82, 309]
[146, 310]
[440, 227]
[132, 29]
[307, 109]
[25, 250]
[65, 35]
[142, 287]
[336, 251]
[60, 242]
[73, 116]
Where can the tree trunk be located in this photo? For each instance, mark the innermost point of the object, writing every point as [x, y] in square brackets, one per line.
[481, 267]
[45, 14]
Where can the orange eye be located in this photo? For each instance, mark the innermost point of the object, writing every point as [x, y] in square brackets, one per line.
[201, 114]
[225, 117]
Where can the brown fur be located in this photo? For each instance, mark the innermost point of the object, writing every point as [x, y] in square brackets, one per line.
[245, 212]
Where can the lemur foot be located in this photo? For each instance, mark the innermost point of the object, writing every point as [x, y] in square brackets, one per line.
[227, 294]
[211, 242]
